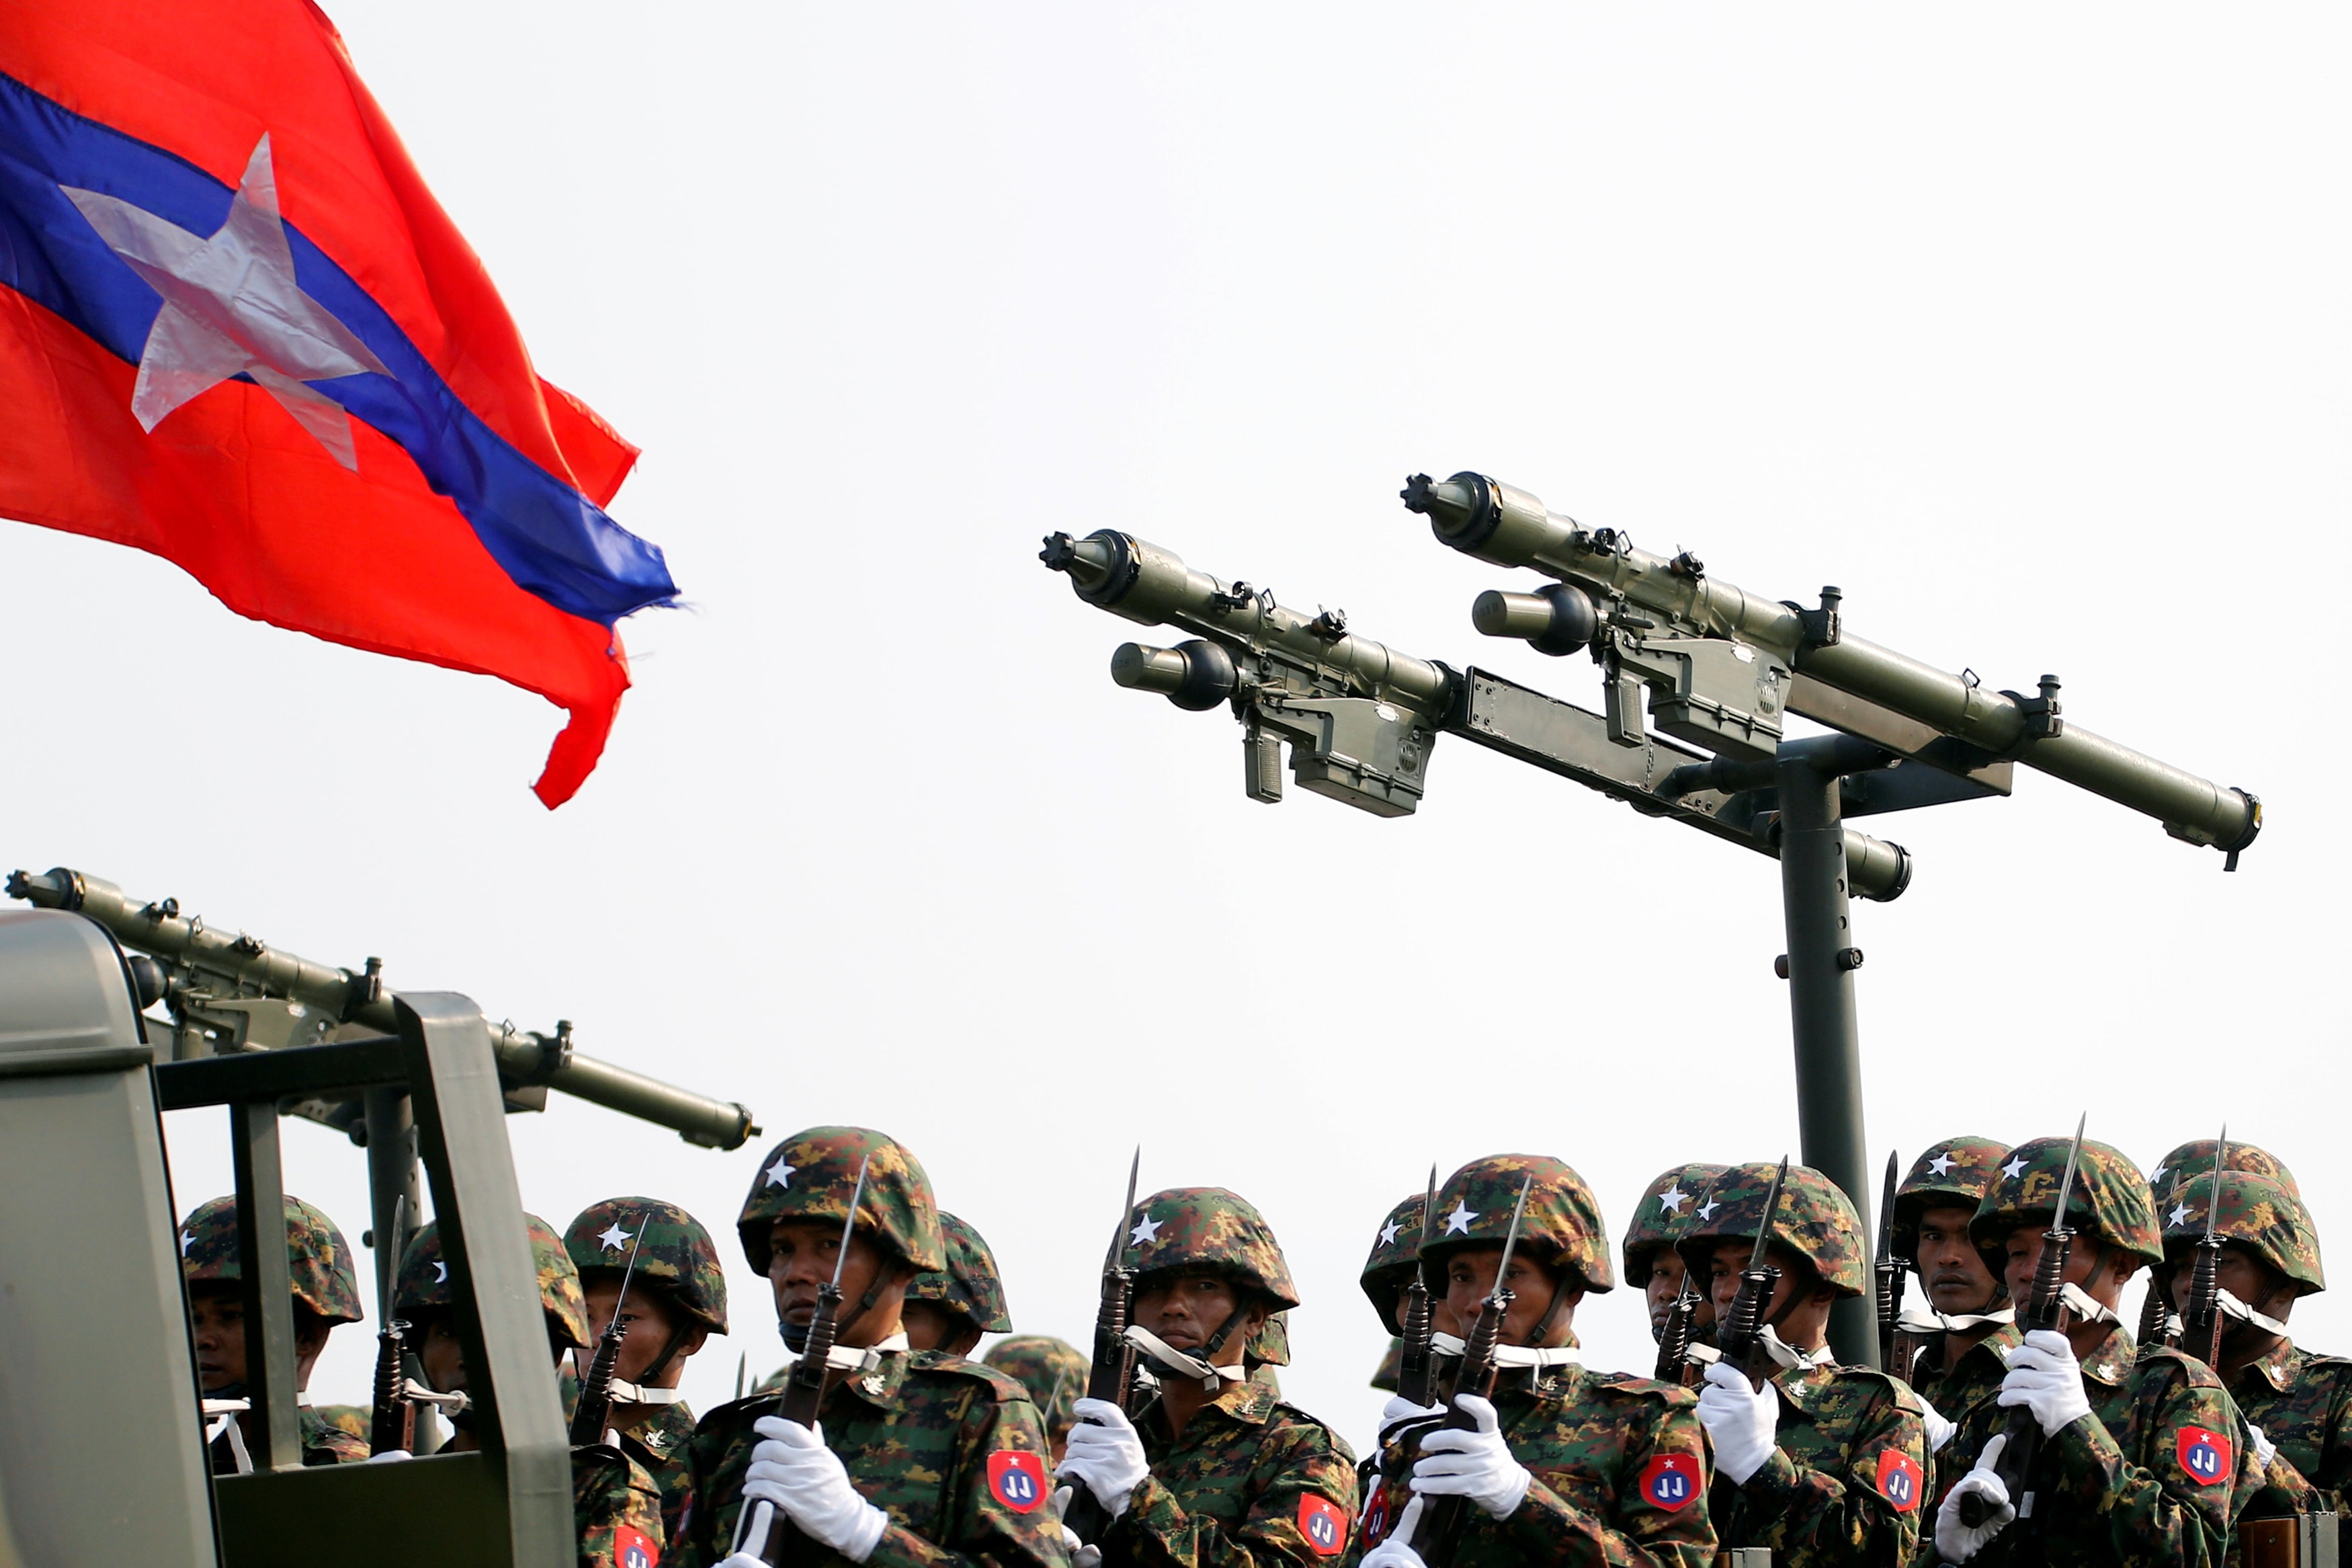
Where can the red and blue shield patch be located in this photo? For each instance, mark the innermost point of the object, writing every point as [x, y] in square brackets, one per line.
[1900, 1479]
[1671, 1481]
[1018, 1478]
[2205, 1455]
[631, 1550]
[1376, 1516]
[1324, 1524]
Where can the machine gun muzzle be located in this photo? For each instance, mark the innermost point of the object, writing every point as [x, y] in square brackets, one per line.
[251, 968]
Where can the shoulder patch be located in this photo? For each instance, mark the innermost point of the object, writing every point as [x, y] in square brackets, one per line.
[1016, 1477]
[1323, 1522]
[1376, 1515]
[2205, 1457]
[1671, 1481]
[631, 1550]
[1900, 1479]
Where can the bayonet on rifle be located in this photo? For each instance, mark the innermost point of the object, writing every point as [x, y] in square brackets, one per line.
[1112, 1375]
[1741, 1334]
[593, 1412]
[394, 1424]
[1442, 1517]
[2201, 1327]
[2045, 1307]
[1417, 1364]
[1895, 1347]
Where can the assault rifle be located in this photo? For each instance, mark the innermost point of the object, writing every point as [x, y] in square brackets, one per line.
[1112, 1378]
[593, 1413]
[392, 1424]
[1675, 1362]
[2200, 1325]
[1741, 1335]
[804, 1384]
[1440, 1525]
[1417, 1363]
[2045, 1307]
[1894, 1346]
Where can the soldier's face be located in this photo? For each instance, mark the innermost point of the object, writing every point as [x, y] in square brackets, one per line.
[802, 1258]
[651, 1321]
[1185, 1308]
[216, 1320]
[441, 1356]
[2245, 1276]
[1951, 1270]
[1667, 1273]
[2089, 1265]
[1470, 1280]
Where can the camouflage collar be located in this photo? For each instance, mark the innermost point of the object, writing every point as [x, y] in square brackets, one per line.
[2110, 1363]
[2280, 1368]
[663, 1434]
[1797, 1386]
[1248, 1402]
[878, 1384]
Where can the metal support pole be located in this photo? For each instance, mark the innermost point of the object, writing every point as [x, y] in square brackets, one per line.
[268, 1285]
[1820, 964]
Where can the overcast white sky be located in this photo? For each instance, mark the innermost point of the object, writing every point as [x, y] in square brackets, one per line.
[2028, 327]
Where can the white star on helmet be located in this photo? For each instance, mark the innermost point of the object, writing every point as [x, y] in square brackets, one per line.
[612, 1235]
[1673, 1199]
[1458, 1222]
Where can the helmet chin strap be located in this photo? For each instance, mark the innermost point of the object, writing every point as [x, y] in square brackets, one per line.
[1541, 1332]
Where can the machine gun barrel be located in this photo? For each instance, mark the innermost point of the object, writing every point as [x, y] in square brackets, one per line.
[1507, 526]
[252, 967]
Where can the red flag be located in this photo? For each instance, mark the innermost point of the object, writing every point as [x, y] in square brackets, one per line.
[237, 331]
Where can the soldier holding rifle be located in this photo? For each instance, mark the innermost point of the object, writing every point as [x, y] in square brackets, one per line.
[1668, 1207]
[1559, 1464]
[1937, 1340]
[898, 1458]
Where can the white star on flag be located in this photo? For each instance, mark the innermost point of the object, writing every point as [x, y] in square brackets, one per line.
[187, 1240]
[1941, 1164]
[440, 1273]
[780, 1173]
[1459, 1221]
[1707, 1210]
[231, 308]
[2015, 1167]
[612, 1236]
[2179, 1215]
[1673, 1199]
[1388, 1233]
[1146, 1230]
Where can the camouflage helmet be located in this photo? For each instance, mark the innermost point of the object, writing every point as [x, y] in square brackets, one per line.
[317, 1256]
[1054, 1371]
[968, 1286]
[1814, 1220]
[1953, 1173]
[1660, 1216]
[2196, 1158]
[2110, 1201]
[810, 1174]
[1208, 1227]
[1270, 1346]
[1395, 1259]
[672, 1252]
[2262, 1216]
[1563, 1226]
[424, 1284]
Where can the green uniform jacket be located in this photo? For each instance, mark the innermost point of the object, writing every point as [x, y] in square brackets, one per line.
[617, 1508]
[1251, 1482]
[1958, 1393]
[658, 1444]
[2133, 1485]
[917, 1435]
[1848, 1481]
[2303, 1403]
[1620, 1465]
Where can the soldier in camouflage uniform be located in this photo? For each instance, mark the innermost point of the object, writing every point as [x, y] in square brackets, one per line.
[1052, 1371]
[919, 1459]
[677, 1300]
[2142, 1462]
[615, 1505]
[2299, 1402]
[2185, 1164]
[1394, 1263]
[1966, 1300]
[1216, 1471]
[326, 1293]
[1651, 1265]
[948, 1309]
[1825, 1464]
[1564, 1465]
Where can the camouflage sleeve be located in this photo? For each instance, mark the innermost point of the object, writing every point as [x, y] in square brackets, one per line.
[1301, 1514]
[1648, 1508]
[996, 1507]
[2174, 1508]
[1867, 1509]
[617, 1509]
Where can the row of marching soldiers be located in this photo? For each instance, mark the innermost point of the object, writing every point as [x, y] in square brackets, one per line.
[919, 1458]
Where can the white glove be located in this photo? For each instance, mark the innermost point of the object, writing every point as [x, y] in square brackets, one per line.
[2265, 1449]
[1939, 1431]
[1104, 1451]
[2044, 1377]
[1400, 1410]
[1741, 1420]
[1081, 1554]
[1957, 1541]
[1395, 1550]
[393, 1456]
[1476, 1464]
[795, 1472]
